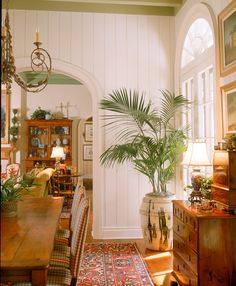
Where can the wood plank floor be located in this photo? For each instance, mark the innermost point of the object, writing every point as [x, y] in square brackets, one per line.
[159, 264]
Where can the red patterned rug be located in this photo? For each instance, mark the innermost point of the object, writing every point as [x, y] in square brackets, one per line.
[113, 264]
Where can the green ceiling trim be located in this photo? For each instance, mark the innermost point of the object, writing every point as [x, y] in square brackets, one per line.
[91, 7]
[54, 78]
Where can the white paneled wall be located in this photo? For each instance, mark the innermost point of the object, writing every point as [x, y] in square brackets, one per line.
[117, 51]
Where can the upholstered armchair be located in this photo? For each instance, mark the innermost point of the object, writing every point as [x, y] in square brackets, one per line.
[40, 183]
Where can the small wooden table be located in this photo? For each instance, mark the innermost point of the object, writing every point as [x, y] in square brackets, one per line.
[27, 240]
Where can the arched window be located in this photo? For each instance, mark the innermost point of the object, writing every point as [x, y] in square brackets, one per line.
[197, 73]
[198, 39]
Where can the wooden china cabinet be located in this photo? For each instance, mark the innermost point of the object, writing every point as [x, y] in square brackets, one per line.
[42, 136]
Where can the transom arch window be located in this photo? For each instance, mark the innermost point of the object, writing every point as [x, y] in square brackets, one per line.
[197, 84]
[198, 39]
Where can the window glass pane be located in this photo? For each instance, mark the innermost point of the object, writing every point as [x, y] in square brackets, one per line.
[199, 89]
[211, 90]
[201, 122]
[198, 39]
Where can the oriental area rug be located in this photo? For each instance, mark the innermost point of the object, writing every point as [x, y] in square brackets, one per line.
[113, 264]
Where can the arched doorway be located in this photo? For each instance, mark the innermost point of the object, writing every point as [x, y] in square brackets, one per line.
[96, 93]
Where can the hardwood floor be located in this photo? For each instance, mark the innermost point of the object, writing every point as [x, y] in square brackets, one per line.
[159, 264]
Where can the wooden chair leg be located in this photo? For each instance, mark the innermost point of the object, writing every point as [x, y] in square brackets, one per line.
[73, 281]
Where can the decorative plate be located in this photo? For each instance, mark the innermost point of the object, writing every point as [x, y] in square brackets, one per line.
[35, 142]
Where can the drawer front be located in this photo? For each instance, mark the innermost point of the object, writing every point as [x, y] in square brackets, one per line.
[191, 221]
[178, 212]
[183, 272]
[186, 253]
[192, 239]
[182, 230]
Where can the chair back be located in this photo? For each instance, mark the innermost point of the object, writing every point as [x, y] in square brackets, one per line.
[12, 170]
[79, 237]
[62, 185]
[78, 195]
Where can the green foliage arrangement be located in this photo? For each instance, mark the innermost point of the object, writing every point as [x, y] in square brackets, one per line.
[39, 113]
[145, 135]
[205, 188]
[231, 141]
[14, 129]
[12, 188]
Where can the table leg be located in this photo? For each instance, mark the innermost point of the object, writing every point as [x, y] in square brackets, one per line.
[39, 277]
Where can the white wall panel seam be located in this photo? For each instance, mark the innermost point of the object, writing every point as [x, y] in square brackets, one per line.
[59, 36]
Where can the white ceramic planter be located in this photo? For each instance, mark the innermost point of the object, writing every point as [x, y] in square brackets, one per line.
[157, 222]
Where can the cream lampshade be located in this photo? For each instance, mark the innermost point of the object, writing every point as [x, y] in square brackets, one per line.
[196, 156]
[58, 153]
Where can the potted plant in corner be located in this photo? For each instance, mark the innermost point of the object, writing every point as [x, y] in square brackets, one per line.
[146, 137]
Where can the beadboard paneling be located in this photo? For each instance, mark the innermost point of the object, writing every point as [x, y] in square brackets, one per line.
[53, 34]
[19, 33]
[99, 51]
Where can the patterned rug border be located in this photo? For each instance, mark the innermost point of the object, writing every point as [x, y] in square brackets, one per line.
[134, 244]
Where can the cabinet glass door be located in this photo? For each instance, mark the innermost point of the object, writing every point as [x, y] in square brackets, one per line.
[61, 136]
[38, 142]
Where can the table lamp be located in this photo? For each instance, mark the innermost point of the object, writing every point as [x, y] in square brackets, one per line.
[196, 156]
[58, 153]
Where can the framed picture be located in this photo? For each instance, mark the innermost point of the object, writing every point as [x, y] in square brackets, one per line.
[5, 109]
[88, 152]
[228, 93]
[88, 132]
[227, 41]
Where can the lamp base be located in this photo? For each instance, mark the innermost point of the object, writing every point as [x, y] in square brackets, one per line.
[57, 165]
[195, 197]
[196, 180]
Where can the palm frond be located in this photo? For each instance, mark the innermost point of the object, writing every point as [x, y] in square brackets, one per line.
[170, 104]
[144, 135]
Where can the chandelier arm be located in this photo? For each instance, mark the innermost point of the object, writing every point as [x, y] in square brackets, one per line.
[38, 59]
[40, 62]
[29, 87]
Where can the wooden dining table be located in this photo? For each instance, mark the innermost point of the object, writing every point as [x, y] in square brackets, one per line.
[27, 240]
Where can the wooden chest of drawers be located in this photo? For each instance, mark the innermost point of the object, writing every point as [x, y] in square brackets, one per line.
[204, 246]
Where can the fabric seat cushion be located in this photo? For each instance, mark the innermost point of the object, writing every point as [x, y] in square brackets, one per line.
[59, 259]
[63, 249]
[62, 236]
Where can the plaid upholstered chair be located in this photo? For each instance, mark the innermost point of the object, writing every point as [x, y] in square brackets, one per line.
[63, 236]
[70, 257]
[64, 268]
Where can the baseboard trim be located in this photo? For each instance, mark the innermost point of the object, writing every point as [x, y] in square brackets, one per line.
[122, 233]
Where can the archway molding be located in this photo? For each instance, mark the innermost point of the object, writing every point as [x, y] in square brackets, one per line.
[96, 92]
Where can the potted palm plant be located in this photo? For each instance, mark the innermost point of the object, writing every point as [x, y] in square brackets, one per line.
[146, 137]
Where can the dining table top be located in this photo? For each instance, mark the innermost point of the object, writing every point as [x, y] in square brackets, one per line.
[27, 240]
